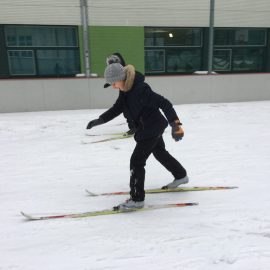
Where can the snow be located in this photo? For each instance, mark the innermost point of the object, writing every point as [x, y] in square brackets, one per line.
[44, 169]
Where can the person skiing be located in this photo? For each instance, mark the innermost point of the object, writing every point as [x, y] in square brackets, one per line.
[141, 106]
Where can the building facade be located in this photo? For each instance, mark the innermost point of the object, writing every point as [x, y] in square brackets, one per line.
[45, 38]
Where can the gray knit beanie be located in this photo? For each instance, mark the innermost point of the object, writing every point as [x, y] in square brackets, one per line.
[114, 72]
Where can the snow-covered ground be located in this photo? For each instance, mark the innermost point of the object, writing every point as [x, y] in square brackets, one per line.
[44, 169]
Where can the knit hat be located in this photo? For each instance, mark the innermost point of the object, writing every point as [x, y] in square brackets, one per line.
[114, 72]
[114, 58]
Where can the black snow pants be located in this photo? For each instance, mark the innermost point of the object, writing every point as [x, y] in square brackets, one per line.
[138, 159]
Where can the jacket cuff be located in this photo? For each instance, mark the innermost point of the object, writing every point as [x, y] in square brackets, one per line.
[176, 123]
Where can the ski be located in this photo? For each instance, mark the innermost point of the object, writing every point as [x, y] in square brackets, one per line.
[107, 134]
[160, 190]
[115, 137]
[105, 212]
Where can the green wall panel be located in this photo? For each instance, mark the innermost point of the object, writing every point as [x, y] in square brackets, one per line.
[105, 40]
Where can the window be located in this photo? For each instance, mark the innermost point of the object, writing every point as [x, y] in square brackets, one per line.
[238, 37]
[172, 50]
[57, 62]
[21, 62]
[222, 59]
[42, 50]
[183, 60]
[240, 50]
[155, 60]
[248, 59]
[172, 37]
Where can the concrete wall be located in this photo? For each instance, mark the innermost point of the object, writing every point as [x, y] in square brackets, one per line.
[19, 95]
[213, 88]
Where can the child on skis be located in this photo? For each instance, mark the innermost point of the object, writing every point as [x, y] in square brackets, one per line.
[140, 106]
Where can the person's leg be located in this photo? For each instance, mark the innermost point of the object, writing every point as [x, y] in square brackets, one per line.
[138, 159]
[168, 161]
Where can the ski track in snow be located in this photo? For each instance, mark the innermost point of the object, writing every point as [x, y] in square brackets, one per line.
[45, 168]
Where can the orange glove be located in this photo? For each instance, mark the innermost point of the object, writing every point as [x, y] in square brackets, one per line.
[177, 130]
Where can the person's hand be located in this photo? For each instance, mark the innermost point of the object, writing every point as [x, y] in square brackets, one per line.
[94, 123]
[130, 132]
[177, 130]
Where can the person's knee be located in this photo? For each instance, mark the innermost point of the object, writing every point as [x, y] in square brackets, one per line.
[160, 154]
[136, 161]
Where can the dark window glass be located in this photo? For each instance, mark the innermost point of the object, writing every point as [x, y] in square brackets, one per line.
[21, 62]
[42, 50]
[159, 37]
[248, 59]
[183, 60]
[58, 62]
[172, 50]
[40, 36]
[240, 49]
[222, 60]
[154, 61]
[238, 37]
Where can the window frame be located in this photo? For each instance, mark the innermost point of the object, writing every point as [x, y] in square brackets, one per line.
[230, 59]
[235, 47]
[33, 59]
[75, 48]
[167, 49]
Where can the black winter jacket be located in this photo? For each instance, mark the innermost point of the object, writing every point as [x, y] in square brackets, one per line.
[140, 106]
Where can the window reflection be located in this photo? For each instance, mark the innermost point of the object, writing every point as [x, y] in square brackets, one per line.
[183, 60]
[21, 62]
[248, 59]
[173, 50]
[172, 37]
[42, 50]
[222, 60]
[247, 48]
[155, 61]
[57, 62]
[252, 37]
[40, 36]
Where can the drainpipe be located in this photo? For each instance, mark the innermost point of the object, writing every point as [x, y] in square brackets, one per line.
[84, 20]
[211, 36]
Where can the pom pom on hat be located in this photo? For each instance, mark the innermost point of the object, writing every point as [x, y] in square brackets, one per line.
[115, 58]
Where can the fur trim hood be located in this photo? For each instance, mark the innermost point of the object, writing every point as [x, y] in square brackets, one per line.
[130, 76]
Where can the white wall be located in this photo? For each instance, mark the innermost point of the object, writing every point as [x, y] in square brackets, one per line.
[193, 13]
[242, 13]
[19, 95]
[181, 13]
[49, 12]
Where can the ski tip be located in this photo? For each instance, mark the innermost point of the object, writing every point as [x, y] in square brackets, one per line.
[28, 217]
[195, 203]
[23, 214]
[89, 193]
